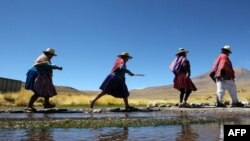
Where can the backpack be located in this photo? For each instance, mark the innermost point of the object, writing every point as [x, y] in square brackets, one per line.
[30, 79]
[176, 65]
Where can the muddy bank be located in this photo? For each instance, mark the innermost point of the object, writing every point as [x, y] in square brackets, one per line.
[84, 118]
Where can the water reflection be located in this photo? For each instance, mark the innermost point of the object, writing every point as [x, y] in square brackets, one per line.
[187, 134]
[39, 134]
[204, 132]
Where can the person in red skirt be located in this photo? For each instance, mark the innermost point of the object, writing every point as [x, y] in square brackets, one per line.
[114, 84]
[182, 82]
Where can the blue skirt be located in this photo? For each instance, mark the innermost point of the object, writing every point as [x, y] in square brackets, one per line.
[114, 85]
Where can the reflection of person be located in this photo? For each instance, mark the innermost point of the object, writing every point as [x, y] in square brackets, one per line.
[187, 134]
[40, 134]
[39, 79]
[117, 134]
[115, 84]
[223, 74]
[182, 82]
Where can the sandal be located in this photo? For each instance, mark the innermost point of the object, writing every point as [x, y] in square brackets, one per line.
[131, 108]
[30, 109]
[49, 105]
[91, 104]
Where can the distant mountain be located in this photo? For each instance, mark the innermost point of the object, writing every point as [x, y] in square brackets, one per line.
[203, 82]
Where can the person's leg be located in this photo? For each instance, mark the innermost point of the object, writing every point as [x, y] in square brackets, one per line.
[231, 87]
[220, 90]
[33, 98]
[92, 102]
[220, 93]
[182, 93]
[188, 92]
[47, 104]
[233, 94]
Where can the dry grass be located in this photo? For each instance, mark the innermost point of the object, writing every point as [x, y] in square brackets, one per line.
[78, 99]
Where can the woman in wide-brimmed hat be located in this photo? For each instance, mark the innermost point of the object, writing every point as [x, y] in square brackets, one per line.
[182, 82]
[39, 79]
[114, 84]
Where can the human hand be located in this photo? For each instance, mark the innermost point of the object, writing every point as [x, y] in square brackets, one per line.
[60, 68]
[131, 74]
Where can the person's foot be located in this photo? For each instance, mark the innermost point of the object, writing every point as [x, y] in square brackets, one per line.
[30, 109]
[91, 104]
[238, 104]
[180, 105]
[49, 105]
[131, 108]
[185, 104]
[219, 104]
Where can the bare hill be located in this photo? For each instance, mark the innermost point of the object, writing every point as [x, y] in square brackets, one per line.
[203, 82]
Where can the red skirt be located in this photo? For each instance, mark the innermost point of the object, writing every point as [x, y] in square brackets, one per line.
[183, 82]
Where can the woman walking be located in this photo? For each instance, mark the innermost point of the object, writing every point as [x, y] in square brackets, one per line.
[39, 79]
[114, 84]
[182, 82]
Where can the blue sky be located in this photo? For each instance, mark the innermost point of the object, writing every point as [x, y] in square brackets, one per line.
[89, 34]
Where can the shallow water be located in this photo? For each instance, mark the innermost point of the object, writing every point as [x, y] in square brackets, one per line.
[193, 132]
[205, 132]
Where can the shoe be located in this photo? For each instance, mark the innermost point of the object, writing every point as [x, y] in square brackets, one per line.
[91, 104]
[180, 105]
[238, 104]
[131, 108]
[49, 105]
[219, 104]
[30, 109]
[185, 105]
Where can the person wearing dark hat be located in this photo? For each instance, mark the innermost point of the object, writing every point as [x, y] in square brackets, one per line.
[39, 79]
[114, 84]
[222, 73]
[180, 66]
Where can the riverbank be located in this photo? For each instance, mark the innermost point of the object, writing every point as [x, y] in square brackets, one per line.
[85, 118]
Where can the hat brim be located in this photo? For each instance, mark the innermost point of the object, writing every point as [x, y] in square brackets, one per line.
[49, 53]
[226, 50]
[185, 51]
[130, 57]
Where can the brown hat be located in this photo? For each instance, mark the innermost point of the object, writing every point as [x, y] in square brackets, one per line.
[181, 50]
[50, 51]
[125, 54]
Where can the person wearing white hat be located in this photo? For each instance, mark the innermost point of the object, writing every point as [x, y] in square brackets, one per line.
[114, 84]
[39, 79]
[222, 73]
[180, 66]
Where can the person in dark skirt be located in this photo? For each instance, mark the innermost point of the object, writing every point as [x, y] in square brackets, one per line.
[115, 84]
[39, 79]
[182, 82]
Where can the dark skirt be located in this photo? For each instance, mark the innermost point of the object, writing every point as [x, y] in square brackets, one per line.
[183, 82]
[44, 87]
[114, 85]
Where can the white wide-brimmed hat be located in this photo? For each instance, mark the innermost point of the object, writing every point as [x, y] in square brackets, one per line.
[50, 51]
[181, 50]
[227, 48]
[125, 54]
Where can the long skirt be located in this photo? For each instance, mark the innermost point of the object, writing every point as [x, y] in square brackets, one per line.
[183, 82]
[44, 87]
[114, 85]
